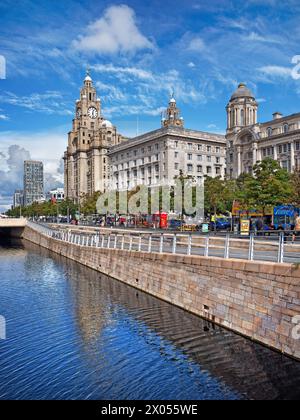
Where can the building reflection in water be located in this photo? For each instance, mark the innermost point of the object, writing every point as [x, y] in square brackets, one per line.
[252, 370]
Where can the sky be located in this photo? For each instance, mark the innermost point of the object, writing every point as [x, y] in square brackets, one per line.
[139, 52]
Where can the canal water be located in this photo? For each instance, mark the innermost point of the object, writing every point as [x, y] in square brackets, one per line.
[72, 333]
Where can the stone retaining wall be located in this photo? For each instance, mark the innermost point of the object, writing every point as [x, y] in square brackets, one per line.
[255, 299]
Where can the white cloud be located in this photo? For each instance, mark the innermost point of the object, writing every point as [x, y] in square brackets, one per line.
[4, 117]
[17, 147]
[191, 65]
[119, 71]
[276, 71]
[196, 44]
[115, 32]
[255, 37]
[50, 102]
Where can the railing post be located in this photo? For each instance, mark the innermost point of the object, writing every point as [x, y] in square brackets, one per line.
[251, 247]
[161, 244]
[227, 244]
[174, 244]
[108, 241]
[123, 241]
[281, 248]
[189, 248]
[150, 243]
[130, 242]
[140, 242]
[116, 239]
[206, 250]
[102, 240]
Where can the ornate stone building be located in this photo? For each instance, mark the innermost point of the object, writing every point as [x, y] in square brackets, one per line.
[86, 166]
[249, 142]
[156, 158]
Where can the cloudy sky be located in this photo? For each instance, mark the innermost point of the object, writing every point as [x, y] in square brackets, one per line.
[139, 52]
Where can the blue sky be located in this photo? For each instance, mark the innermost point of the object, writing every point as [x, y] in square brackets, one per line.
[138, 52]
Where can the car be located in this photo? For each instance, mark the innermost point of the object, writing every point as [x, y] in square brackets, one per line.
[222, 224]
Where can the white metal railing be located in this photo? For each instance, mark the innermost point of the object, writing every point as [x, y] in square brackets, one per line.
[172, 243]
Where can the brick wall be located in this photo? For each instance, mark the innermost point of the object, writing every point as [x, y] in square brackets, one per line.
[256, 299]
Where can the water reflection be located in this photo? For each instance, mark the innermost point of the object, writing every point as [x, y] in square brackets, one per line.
[99, 338]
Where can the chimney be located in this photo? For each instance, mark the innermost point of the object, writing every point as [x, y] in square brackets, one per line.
[277, 115]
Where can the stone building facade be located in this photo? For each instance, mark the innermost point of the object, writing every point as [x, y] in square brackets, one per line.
[86, 166]
[249, 142]
[157, 157]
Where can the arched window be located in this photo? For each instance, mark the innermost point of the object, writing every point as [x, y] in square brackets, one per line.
[242, 117]
[286, 128]
[269, 132]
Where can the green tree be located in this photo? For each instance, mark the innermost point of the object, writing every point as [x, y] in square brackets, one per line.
[269, 186]
[218, 195]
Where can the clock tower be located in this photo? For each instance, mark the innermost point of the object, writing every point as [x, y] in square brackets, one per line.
[86, 167]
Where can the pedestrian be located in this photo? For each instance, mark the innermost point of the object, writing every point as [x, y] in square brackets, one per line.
[297, 227]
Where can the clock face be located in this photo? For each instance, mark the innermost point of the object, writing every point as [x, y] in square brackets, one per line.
[92, 112]
[78, 113]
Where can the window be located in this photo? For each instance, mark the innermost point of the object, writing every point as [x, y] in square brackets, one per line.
[208, 148]
[208, 170]
[208, 158]
[297, 145]
[218, 171]
[176, 143]
[190, 168]
[218, 160]
[242, 117]
[280, 149]
[199, 168]
[176, 155]
[286, 128]
[218, 150]
[190, 146]
[176, 166]
[199, 158]
[231, 158]
[199, 147]
[285, 148]
[156, 146]
[269, 132]
[190, 156]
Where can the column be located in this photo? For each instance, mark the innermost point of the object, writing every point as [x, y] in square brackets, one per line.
[292, 157]
[239, 156]
[275, 156]
[254, 153]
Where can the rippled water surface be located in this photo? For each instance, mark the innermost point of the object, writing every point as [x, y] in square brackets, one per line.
[75, 334]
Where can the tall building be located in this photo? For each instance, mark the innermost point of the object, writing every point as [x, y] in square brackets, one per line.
[33, 182]
[156, 158]
[249, 142]
[18, 199]
[86, 166]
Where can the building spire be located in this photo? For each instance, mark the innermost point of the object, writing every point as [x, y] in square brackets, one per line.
[171, 117]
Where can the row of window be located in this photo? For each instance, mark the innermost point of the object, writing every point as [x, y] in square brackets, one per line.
[285, 129]
[200, 158]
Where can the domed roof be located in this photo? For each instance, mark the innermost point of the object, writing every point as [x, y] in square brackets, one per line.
[172, 101]
[88, 79]
[242, 92]
[107, 124]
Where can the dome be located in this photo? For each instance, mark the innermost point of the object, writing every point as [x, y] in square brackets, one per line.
[107, 124]
[242, 92]
[88, 79]
[172, 101]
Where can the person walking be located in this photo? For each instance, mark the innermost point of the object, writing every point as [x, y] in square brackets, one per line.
[297, 227]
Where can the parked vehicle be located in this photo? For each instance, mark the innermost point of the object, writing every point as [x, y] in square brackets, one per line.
[220, 224]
